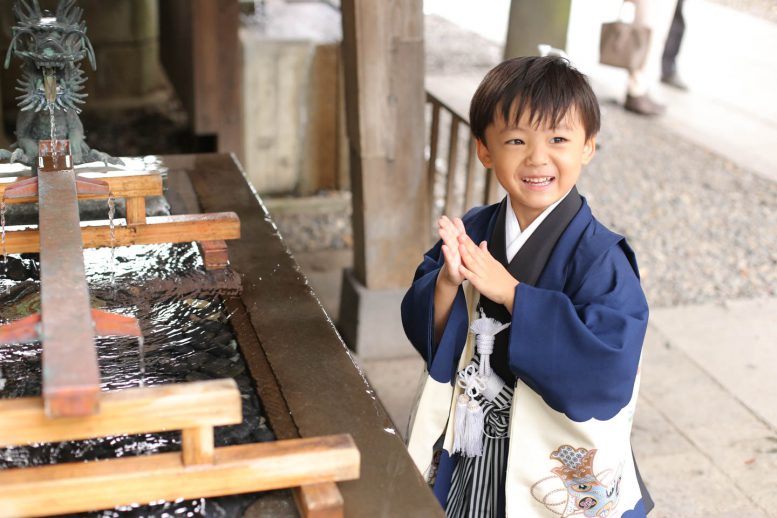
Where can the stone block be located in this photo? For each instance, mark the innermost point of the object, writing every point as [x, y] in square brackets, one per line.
[274, 79]
[370, 320]
[293, 110]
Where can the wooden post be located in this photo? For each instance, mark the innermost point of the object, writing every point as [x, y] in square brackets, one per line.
[532, 23]
[200, 50]
[384, 87]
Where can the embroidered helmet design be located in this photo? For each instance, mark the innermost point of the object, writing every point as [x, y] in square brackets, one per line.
[586, 493]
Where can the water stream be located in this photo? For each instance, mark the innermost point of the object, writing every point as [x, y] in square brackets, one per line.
[2, 234]
[112, 233]
[53, 130]
[141, 361]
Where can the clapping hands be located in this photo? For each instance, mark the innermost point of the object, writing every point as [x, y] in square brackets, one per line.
[466, 260]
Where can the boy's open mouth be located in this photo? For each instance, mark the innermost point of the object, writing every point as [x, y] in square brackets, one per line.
[538, 181]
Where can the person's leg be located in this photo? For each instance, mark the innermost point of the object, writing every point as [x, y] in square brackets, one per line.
[657, 15]
[669, 75]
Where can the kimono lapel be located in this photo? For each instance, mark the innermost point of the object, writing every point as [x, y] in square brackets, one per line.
[527, 265]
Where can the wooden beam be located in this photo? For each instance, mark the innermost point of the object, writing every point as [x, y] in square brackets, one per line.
[122, 185]
[136, 210]
[71, 376]
[383, 55]
[197, 445]
[136, 410]
[158, 229]
[215, 255]
[84, 486]
[319, 500]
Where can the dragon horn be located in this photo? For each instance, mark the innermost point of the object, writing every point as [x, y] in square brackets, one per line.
[11, 48]
[90, 51]
[65, 12]
[33, 10]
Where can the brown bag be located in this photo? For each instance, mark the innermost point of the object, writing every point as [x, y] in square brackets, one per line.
[624, 45]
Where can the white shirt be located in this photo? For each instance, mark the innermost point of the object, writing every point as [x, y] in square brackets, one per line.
[514, 238]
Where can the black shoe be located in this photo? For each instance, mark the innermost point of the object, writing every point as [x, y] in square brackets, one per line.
[674, 81]
[643, 105]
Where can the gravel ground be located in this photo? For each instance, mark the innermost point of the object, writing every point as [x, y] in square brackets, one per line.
[765, 9]
[703, 228]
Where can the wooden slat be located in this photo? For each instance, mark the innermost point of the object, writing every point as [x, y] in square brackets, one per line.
[121, 184]
[158, 229]
[71, 376]
[69, 488]
[197, 445]
[491, 193]
[472, 170]
[135, 410]
[319, 500]
[453, 152]
[136, 210]
[433, 143]
[215, 255]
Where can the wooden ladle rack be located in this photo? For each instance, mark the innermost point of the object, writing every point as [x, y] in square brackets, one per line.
[72, 406]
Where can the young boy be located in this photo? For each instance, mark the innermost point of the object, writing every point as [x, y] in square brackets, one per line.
[546, 431]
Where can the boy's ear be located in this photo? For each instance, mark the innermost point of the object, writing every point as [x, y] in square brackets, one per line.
[589, 150]
[484, 155]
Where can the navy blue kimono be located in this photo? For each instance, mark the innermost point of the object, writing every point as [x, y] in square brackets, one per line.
[575, 339]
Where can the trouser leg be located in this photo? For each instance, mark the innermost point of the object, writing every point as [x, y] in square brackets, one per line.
[673, 41]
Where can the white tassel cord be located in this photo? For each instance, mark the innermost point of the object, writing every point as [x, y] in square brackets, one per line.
[459, 422]
[485, 330]
[473, 433]
[469, 418]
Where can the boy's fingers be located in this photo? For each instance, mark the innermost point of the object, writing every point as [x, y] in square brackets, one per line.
[473, 250]
[459, 224]
[467, 274]
[448, 254]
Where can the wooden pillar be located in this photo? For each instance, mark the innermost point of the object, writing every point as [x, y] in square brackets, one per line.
[200, 50]
[532, 22]
[384, 88]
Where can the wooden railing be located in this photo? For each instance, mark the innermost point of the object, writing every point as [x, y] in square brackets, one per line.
[455, 186]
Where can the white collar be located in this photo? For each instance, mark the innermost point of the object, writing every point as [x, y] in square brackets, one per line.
[514, 238]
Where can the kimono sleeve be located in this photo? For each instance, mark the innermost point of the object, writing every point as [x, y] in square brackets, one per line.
[418, 315]
[581, 352]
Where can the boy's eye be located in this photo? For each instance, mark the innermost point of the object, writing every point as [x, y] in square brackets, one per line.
[515, 141]
[558, 140]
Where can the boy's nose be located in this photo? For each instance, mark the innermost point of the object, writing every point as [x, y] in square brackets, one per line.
[537, 156]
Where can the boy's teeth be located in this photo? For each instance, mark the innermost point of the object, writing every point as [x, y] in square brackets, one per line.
[538, 180]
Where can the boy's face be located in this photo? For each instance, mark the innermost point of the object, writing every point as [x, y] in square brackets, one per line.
[535, 165]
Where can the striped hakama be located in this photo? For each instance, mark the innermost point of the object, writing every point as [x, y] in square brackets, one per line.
[478, 483]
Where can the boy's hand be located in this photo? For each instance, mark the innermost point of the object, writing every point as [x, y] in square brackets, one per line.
[487, 274]
[450, 231]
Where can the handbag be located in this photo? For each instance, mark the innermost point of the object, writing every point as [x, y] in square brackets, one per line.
[624, 45]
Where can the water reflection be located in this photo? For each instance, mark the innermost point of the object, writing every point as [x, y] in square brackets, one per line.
[187, 338]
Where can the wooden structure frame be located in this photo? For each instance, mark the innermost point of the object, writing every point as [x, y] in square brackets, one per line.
[199, 470]
[72, 407]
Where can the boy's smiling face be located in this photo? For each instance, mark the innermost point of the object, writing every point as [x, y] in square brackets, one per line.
[535, 164]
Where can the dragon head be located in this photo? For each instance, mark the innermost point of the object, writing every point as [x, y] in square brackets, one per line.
[51, 45]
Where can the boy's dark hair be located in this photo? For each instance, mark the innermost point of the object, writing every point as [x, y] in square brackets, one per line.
[547, 86]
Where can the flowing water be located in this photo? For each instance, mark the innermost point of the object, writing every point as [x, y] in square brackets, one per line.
[112, 231]
[187, 337]
[53, 130]
[2, 235]
[141, 361]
